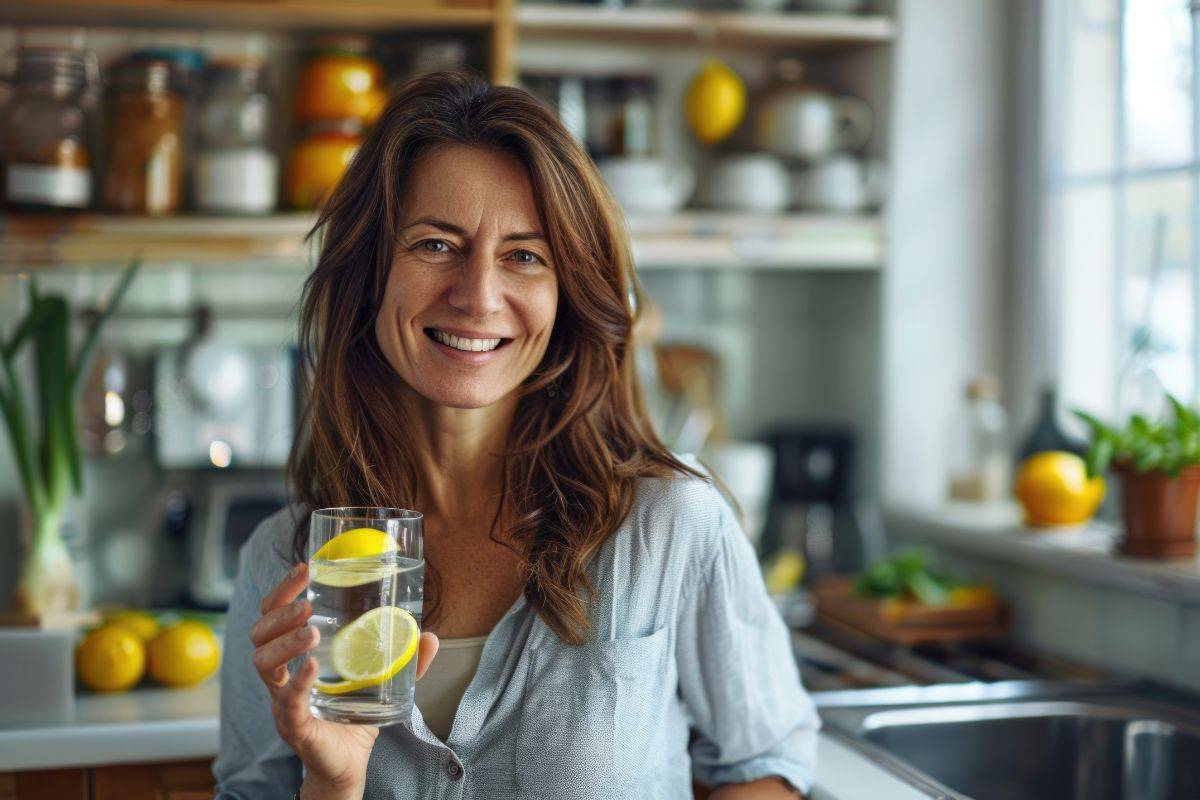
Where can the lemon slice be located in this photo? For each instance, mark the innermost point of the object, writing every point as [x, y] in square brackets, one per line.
[372, 649]
[356, 543]
[358, 548]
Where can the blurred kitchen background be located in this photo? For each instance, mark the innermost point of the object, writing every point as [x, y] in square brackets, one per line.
[873, 233]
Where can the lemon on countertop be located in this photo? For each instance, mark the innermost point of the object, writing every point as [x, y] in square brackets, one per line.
[184, 654]
[372, 649]
[1054, 489]
[715, 102]
[143, 623]
[111, 658]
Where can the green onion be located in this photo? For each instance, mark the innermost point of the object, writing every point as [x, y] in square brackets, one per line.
[48, 461]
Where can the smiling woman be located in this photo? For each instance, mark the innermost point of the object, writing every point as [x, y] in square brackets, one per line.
[607, 632]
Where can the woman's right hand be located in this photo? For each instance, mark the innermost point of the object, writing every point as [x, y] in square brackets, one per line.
[334, 754]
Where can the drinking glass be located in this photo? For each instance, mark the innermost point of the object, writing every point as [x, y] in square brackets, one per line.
[366, 584]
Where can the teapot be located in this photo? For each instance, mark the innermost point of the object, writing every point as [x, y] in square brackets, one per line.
[801, 121]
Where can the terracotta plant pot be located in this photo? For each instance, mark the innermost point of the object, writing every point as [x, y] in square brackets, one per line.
[1159, 512]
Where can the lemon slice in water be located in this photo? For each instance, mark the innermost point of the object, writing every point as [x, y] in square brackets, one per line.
[357, 548]
[372, 649]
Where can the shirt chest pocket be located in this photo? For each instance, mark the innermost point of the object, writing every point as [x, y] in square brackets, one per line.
[590, 713]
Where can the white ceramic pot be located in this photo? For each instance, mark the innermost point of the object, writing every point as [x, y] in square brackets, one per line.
[649, 185]
[842, 183]
[745, 182]
[806, 123]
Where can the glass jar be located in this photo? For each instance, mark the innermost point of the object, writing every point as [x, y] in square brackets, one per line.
[339, 79]
[318, 161]
[45, 128]
[236, 172]
[191, 63]
[144, 167]
[980, 464]
[633, 130]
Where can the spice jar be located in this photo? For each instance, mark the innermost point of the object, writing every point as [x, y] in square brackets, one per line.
[235, 170]
[46, 141]
[318, 161]
[145, 137]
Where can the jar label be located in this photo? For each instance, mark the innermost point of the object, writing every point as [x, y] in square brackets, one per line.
[237, 180]
[49, 184]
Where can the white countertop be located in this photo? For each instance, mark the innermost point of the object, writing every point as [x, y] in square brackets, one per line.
[153, 724]
[144, 725]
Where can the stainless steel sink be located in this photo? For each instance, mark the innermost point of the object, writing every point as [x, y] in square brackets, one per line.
[1027, 740]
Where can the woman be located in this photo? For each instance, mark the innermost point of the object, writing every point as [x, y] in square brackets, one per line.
[470, 323]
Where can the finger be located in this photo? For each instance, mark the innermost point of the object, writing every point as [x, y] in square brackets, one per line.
[293, 711]
[286, 590]
[272, 658]
[426, 650]
[279, 621]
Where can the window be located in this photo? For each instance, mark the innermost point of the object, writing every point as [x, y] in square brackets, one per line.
[1120, 178]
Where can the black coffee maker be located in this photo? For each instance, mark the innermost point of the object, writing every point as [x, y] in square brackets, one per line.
[812, 500]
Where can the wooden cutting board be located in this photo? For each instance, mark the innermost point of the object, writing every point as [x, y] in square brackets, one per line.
[905, 622]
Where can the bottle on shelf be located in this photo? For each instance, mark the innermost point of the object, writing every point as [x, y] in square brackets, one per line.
[980, 462]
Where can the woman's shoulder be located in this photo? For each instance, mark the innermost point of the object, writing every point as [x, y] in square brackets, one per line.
[681, 517]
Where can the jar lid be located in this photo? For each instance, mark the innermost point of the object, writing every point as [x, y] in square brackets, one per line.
[340, 43]
[191, 59]
[152, 75]
[49, 64]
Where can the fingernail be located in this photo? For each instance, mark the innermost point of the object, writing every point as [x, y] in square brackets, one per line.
[304, 634]
[296, 570]
[297, 606]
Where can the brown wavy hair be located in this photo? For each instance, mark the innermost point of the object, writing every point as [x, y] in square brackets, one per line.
[580, 437]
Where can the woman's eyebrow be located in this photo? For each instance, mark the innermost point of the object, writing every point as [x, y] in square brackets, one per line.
[450, 227]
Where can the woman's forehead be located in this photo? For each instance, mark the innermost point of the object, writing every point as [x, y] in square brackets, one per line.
[471, 187]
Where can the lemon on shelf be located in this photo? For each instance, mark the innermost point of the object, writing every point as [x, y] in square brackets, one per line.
[1054, 489]
[715, 102]
[372, 649]
[111, 658]
[183, 654]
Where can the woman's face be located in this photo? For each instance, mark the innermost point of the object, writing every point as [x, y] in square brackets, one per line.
[472, 293]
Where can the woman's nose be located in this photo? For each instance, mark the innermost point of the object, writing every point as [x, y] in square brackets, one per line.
[477, 288]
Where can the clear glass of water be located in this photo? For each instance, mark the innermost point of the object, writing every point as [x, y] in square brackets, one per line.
[366, 584]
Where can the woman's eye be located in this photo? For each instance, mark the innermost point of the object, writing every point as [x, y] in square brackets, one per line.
[527, 257]
[426, 245]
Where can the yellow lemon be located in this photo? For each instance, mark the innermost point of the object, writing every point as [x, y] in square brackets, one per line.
[111, 658]
[785, 572]
[715, 102]
[142, 623]
[372, 649]
[363, 545]
[1054, 489]
[183, 654]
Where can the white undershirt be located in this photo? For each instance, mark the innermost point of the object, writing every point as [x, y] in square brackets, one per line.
[441, 688]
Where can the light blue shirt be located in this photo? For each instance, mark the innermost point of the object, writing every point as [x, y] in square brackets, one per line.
[685, 639]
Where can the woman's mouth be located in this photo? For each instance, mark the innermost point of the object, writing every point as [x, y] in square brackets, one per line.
[466, 344]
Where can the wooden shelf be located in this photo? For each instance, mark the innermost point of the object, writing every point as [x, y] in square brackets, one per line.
[678, 241]
[777, 242]
[251, 14]
[685, 25]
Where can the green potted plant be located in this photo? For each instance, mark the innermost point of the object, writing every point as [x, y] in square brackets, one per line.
[44, 443]
[1158, 464]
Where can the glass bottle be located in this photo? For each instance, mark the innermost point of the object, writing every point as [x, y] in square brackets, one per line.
[236, 171]
[144, 167]
[45, 127]
[980, 466]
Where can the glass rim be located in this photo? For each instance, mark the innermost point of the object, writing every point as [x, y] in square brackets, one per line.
[375, 513]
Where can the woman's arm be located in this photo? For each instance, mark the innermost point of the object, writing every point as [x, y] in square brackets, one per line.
[771, 788]
[737, 674]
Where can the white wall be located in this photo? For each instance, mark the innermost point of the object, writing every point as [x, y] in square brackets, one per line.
[943, 291]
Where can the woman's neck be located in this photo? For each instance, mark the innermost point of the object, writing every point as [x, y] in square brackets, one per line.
[459, 457]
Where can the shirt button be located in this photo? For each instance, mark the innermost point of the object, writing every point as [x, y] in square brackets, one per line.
[453, 770]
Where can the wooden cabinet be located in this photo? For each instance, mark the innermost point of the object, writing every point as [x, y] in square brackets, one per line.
[173, 780]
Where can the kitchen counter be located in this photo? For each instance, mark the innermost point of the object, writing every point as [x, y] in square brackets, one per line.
[149, 724]
[153, 724]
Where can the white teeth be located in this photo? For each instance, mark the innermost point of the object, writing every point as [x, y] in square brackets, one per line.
[463, 343]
